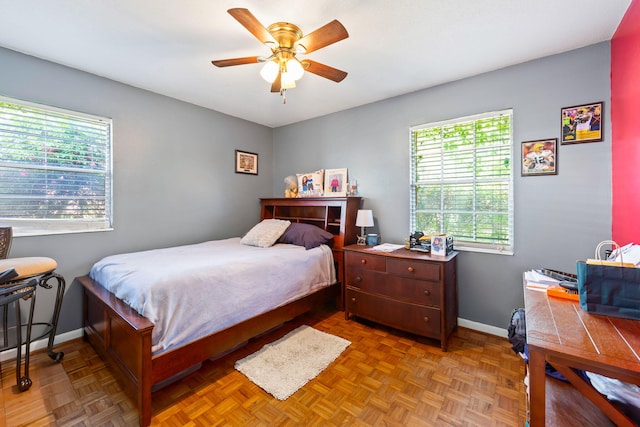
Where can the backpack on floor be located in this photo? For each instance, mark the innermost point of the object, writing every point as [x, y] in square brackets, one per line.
[517, 330]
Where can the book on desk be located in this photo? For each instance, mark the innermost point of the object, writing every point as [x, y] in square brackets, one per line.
[555, 283]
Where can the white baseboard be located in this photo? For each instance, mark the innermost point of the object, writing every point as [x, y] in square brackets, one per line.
[71, 335]
[41, 344]
[482, 327]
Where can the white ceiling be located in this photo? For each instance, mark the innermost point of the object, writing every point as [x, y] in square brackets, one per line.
[394, 47]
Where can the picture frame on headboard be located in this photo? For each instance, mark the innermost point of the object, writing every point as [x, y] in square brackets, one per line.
[335, 182]
[246, 162]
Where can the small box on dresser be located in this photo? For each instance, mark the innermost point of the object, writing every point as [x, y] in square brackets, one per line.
[410, 291]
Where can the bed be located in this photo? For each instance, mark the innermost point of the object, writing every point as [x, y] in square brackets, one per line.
[145, 353]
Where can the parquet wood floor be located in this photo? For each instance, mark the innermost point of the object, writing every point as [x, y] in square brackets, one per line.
[384, 378]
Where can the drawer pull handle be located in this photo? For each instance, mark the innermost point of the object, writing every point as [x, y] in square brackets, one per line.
[358, 279]
[363, 261]
[410, 270]
[426, 292]
[353, 300]
[426, 319]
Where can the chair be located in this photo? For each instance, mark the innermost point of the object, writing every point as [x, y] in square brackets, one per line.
[6, 237]
[19, 279]
[11, 292]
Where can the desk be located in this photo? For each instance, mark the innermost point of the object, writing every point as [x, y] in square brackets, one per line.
[561, 333]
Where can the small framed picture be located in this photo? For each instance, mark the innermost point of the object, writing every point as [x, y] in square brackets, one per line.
[310, 183]
[540, 157]
[581, 123]
[335, 182]
[246, 162]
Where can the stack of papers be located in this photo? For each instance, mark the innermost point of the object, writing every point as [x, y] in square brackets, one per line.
[629, 254]
[535, 280]
[387, 247]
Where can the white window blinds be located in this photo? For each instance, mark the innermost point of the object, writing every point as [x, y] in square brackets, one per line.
[55, 169]
[462, 182]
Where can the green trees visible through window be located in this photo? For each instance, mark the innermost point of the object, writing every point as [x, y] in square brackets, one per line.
[55, 169]
[461, 181]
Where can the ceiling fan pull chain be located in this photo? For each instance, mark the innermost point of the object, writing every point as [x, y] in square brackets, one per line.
[283, 94]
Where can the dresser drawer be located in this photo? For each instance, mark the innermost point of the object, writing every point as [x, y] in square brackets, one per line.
[412, 318]
[359, 277]
[419, 292]
[416, 269]
[369, 262]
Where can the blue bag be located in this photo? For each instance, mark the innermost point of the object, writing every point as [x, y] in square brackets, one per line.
[608, 290]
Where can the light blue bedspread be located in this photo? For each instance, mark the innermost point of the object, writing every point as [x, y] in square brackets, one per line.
[191, 291]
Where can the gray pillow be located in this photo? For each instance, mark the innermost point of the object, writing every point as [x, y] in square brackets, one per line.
[306, 235]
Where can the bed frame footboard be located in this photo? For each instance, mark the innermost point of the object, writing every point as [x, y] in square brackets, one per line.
[122, 337]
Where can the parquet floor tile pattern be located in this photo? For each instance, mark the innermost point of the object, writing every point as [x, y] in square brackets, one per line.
[384, 378]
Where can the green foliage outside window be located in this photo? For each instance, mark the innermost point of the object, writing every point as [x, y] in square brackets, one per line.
[462, 180]
[54, 166]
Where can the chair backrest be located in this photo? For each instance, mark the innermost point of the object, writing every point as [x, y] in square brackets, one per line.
[6, 237]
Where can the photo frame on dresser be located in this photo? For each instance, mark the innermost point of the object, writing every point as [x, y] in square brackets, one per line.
[335, 182]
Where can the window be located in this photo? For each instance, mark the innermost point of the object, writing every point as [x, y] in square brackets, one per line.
[462, 181]
[55, 169]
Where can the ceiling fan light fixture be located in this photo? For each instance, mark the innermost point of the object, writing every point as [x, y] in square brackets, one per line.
[294, 69]
[285, 40]
[287, 81]
[270, 71]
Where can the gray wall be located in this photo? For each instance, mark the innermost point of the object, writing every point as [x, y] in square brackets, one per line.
[558, 219]
[174, 181]
[173, 171]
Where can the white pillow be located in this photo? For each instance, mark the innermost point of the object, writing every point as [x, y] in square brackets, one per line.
[265, 233]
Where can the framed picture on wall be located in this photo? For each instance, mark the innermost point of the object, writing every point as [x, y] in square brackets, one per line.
[335, 182]
[246, 162]
[582, 123]
[540, 157]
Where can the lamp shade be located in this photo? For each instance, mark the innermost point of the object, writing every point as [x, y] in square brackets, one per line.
[270, 71]
[286, 81]
[294, 69]
[364, 218]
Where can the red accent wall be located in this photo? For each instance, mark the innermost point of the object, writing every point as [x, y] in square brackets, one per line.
[625, 128]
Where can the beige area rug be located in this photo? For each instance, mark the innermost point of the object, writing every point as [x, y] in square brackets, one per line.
[282, 367]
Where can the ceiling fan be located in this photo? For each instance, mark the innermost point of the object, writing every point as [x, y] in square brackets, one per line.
[285, 40]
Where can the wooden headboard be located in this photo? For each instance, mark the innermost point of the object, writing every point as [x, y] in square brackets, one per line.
[337, 215]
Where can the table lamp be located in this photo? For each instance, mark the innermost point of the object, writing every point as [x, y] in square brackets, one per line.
[364, 219]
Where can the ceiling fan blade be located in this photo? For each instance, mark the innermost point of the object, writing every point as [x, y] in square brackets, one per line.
[236, 61]
[251, 23]
[328, 34]
[277, 83]
[324, 70]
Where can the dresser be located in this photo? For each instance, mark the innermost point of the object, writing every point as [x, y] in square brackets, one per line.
[411, 291]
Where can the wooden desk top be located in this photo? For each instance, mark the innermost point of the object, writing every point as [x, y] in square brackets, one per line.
[607, 345]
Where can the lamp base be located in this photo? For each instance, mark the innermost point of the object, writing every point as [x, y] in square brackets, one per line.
[362, 240]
